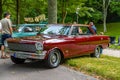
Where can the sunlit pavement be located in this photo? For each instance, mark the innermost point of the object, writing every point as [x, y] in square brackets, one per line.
[111, 52]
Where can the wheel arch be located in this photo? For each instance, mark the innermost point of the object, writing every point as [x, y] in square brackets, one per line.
[61, 53]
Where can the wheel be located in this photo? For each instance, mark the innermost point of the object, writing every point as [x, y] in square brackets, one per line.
[97, 53]
[54, 59]
[17, 60]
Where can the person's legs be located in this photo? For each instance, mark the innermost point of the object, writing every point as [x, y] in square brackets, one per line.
[4, 37]
[2, 52]
[2, 47]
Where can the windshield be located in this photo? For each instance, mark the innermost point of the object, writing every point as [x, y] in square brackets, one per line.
[30, 28]
[57, 30]
[20, 28]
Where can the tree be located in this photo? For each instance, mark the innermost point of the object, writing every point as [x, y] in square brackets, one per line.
[52, 11]
[105, 8]
[17, 11]
[1, 9]
[74, 9]
[115, 7]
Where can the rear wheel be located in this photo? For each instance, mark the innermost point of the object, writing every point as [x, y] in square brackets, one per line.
[54, 59]
[97, 52]
[17, 60]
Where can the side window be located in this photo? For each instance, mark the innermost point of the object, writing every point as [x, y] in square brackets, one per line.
[85, 30]
[75, 31]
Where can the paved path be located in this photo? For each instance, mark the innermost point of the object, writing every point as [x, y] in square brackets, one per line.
[36, 71]
[111, 52]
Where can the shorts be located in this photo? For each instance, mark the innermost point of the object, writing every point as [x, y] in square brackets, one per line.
[4, 37]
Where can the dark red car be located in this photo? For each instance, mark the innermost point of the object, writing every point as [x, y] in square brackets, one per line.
[57, 42]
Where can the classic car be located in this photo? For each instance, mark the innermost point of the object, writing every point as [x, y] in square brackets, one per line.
[26, 30]
[57, 42]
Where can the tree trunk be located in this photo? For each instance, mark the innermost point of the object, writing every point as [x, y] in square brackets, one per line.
[105, 8]
[1, 9]
[104, 20]
[17, 12]
[52, 11]
[64, 17]
[104, 16]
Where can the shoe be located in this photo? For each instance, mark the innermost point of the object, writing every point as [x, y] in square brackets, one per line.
[2, 57]
[6, 56]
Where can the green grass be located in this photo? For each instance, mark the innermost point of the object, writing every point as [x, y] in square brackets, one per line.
[106, 67]
[113, 46]
[113, 29]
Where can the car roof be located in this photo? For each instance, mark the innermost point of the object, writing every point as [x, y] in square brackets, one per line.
[84, 25]
[33, 24]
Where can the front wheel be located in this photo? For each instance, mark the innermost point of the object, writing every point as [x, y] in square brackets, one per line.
[17, 60]
[53, 59]
[97, 52]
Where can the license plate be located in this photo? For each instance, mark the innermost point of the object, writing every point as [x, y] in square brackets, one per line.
[20, 56]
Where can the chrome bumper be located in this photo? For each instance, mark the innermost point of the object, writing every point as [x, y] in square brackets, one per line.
[28, 55]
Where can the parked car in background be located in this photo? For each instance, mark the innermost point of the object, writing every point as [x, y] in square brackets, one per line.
[26, 30]
[57, 42]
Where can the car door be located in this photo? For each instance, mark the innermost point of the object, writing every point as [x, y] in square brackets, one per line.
[80, 43]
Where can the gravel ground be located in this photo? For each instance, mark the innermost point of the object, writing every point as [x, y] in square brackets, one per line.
[111, 52]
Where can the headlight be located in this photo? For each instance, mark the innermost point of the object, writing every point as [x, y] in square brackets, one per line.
[39, 46]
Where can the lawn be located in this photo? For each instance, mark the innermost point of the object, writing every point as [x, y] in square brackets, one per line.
[105, 67]
[113, 29]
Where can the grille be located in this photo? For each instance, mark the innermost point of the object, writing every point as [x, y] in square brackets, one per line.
[22, 47]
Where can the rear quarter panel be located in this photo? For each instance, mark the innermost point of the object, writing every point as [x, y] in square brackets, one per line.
[98, 40]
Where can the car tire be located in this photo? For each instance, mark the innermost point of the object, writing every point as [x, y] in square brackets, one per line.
[17, 60]
[97, 52]
[54, 59]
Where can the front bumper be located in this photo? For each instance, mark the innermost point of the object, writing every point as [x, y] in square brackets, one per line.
[28, 55]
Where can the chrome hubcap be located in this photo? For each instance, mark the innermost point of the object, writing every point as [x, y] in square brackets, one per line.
[54, 58]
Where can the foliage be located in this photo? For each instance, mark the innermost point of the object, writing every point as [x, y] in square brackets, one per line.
[74, 7]
[27, 8]
[105, 67]
[89, 10]
[115, 7]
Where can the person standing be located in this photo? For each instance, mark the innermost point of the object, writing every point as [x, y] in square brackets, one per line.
[6, 32]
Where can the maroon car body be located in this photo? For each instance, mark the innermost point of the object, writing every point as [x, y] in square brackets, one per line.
[57, 42]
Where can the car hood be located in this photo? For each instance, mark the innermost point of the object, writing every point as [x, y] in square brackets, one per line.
[38, 38]
[23, 34]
